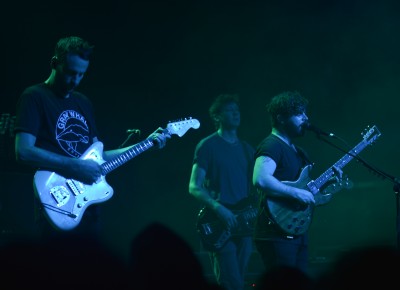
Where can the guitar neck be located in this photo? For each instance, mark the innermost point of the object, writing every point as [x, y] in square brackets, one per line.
[173, 128]
[121, 159]
[327, 175]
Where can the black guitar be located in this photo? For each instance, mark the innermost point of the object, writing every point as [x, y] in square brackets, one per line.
[213, 233]
[294, 219]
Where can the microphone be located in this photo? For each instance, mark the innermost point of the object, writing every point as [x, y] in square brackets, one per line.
[316, 130]
[132, 131]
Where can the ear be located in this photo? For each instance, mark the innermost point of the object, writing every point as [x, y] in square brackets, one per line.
[280, 119]
[215, 117]
[54, 62]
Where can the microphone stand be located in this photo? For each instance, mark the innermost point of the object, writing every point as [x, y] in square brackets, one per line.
[378, 172]
[127, 139]
[396, 189]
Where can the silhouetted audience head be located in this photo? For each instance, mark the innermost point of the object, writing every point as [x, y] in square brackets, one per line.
[161, 259]
[284, 277]
[374, 266]
[65, 262]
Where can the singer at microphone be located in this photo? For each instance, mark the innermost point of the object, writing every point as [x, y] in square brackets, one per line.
[133, 131]
[316, 130]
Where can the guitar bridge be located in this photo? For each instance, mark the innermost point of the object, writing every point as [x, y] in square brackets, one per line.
[60, 194]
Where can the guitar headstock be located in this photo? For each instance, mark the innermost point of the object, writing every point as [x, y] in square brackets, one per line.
[181, 127]
[370, 134]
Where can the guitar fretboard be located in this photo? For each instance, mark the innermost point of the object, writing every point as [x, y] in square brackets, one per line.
[370, 137]
[126, 156]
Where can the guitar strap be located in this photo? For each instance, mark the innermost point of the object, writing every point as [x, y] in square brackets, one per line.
[303, 155]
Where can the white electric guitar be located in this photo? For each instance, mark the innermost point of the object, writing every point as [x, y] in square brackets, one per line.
[65, 200]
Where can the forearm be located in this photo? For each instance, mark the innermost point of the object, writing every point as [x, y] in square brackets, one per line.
[110, 154]
[204, 196]
[158, 140]
[272, 187]
[40, 158]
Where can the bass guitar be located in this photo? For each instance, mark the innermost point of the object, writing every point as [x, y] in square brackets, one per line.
[294, 219]
[214, 234]
[65, 200]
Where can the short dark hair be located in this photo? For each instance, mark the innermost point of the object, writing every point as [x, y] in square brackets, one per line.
[218, 104]
[73, 45]
[287, 104]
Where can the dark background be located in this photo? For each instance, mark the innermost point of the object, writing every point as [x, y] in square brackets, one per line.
[160, 61]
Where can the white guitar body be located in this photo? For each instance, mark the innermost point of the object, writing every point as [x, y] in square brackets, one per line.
[65, 200]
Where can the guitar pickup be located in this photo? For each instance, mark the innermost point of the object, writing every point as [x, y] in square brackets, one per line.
[207, 229]
[312, 187]
[73, 187]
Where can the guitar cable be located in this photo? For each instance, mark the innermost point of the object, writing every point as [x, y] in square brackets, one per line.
[58, 210]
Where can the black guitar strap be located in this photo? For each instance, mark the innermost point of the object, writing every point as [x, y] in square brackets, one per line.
[304, 155]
